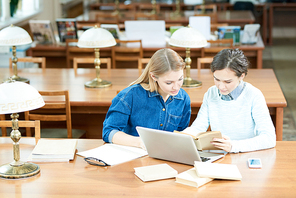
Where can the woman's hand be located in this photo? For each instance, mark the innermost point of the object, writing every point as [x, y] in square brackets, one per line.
[224, 143]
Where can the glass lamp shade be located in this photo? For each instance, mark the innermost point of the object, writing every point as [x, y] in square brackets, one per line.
[188, 37]
[96, 38]
[18, 97]
[13, 36]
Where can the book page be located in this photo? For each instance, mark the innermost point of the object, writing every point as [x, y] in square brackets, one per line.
[114, 154]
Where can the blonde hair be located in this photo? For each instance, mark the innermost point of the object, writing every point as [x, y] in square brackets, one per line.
[162, 61]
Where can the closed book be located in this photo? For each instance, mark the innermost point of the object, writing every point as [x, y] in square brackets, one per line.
[190, 178]
[155, 172]
[217, 170]
[48, 150]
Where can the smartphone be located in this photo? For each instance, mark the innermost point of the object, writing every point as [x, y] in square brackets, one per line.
[254, 163]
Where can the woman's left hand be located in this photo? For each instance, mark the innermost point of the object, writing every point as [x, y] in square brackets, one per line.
[224, 143]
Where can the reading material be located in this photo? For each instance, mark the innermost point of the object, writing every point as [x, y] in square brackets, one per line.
[42, 31]
[113, 154]
[67, 29]
[217, 170]
[155, 172]
[190, 178]
[112, 28]
[54, 150]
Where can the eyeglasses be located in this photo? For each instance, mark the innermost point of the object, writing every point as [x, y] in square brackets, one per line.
[95, 161]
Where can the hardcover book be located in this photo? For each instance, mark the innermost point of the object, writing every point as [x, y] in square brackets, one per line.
[155, 172]
[42, 31]
[67, 29]
[190, 178]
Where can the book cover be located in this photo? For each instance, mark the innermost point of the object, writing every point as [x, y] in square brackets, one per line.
[217, 170]
[155, 172]
[48, 150]
[42, 31]
[233, 32]
[67, 29]
[190, 178]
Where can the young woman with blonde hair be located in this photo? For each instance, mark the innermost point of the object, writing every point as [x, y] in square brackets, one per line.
[155, 100]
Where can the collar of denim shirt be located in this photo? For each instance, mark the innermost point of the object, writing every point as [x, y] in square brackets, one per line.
[179, 96]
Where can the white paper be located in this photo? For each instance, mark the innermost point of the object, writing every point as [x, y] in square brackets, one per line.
[202, 24]
[114, 154]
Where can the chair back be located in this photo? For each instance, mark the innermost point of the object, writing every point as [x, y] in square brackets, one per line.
[145, 16]
[73, 51]
[77, 60]
[216, 46]
[148, 8]
[123, 52]
[202, 61]
[57, 109]
[142, 61]
[107, 18]
[40, 60]
[28, 124]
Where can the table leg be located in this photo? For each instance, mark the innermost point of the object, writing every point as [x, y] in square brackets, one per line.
[259, 59]
[279, 123]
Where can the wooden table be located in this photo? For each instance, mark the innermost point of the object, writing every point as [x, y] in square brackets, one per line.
[278, 6]
[56, 54]
[88, 103]
[277, 178]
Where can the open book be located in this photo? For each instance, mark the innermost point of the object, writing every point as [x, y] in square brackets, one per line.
[203, 140]
[113, 154]
[48, 150]
[190, 178]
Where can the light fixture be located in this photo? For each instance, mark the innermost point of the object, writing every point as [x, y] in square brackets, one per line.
[188, 37]
[14, 36]
[18, 97]
[96, 38]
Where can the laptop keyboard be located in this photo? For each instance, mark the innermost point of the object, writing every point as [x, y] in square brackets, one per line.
[204, 159]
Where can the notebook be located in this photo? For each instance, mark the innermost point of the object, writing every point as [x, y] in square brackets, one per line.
[173, 147]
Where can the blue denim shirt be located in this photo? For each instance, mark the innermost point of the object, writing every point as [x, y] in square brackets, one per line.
[134, 106]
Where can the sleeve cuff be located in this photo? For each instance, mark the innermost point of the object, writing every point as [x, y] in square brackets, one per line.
[111, 134]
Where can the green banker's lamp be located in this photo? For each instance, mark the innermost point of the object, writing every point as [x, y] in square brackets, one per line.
[188, 37]
[96, 38]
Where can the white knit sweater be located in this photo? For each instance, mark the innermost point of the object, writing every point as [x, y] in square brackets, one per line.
[246, 120]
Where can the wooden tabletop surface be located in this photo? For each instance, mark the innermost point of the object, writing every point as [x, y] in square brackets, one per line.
[276, 178]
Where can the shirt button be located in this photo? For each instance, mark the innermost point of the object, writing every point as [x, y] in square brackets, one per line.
[161, 124]
[163, 109]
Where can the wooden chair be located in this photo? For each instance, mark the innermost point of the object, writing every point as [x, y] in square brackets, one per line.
[3, 129]
[40, 60]
[77, 61]
[56, 109]
[145, 16]
[28, 124]
[202, 61]
[148, 8]
[106, 18]
[142, 61]
[123, 52]
[74, 51]
[207, 10]
[216, 46]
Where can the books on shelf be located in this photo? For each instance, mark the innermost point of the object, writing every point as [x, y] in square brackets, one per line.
[190, 178]
[217, 170]
[155, 172]
[113, 154]
[48, 150]
[42, 31]
[67, 29]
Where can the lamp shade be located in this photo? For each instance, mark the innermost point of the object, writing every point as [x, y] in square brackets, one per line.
[96, 38]
[188, 37]
[13, 35]
[18, 97]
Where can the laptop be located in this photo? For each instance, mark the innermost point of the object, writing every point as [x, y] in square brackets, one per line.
[174, 147]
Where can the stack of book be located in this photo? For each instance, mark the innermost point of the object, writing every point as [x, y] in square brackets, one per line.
[203, 173]
[48, 150]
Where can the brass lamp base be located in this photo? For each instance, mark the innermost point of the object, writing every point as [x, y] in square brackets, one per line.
[97, 83]
[17, 78]
[24, 170]
[191, 83]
